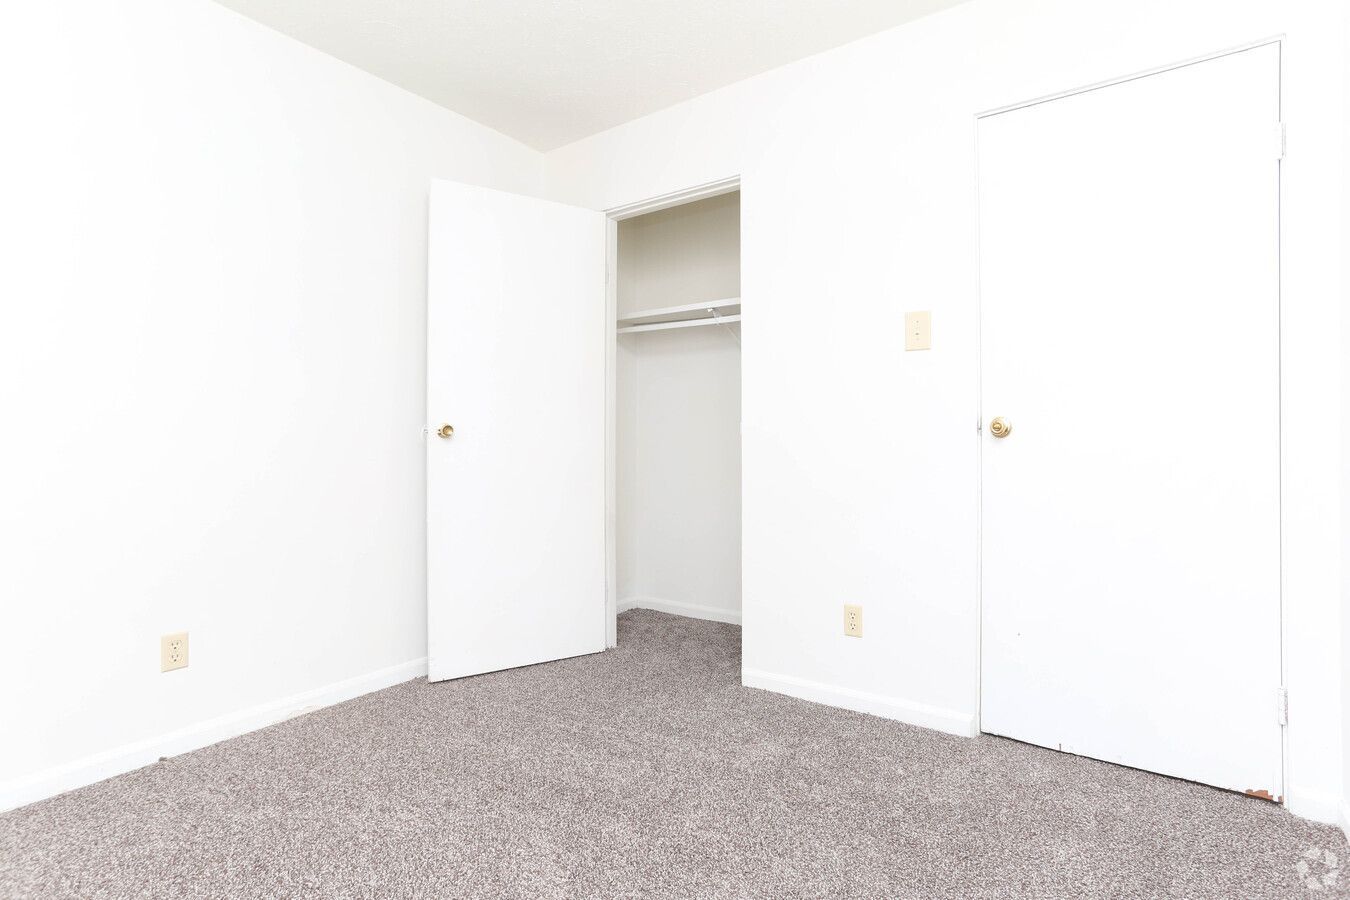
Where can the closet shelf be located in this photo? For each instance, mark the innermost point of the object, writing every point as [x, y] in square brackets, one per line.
[710, 312]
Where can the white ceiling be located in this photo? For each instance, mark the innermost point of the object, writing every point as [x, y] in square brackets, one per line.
[548, 72]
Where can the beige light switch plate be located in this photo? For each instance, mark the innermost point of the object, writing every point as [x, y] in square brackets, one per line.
[917, 329]
[173, 651]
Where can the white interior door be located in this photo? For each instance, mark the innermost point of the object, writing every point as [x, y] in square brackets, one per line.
[1130, 335]
[516, 364]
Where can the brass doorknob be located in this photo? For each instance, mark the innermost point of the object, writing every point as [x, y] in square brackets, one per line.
[1000, 427]
[446, 431]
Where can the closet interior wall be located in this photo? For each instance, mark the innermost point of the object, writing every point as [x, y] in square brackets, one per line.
[678, 476]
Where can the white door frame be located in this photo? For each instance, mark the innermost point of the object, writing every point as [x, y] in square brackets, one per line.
[1278, 41]
[614, 215]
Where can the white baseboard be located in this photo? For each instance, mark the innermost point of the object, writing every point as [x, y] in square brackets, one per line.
[98, 766]
[690, 610]
[948, 720]
[1345, 821]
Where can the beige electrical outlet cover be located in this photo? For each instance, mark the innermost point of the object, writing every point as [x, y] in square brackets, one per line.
[917, 331]
[173, 651]
[852, 620]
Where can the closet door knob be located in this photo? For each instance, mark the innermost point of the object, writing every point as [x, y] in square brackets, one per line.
[446, 430]
[1000, 427]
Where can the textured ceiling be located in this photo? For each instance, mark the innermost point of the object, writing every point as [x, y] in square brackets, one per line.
[548, 72]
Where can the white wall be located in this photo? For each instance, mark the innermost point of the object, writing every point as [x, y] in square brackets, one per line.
[212, 374]
[859, 461]
[679, 397]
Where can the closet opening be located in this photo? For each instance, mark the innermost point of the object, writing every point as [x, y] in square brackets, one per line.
[674, 407]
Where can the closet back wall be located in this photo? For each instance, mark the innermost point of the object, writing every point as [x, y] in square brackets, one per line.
[679, 412]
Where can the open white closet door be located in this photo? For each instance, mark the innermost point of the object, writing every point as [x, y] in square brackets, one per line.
[516, 482]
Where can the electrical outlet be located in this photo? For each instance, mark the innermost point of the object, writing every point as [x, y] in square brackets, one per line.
[852, 620]
[918, 331]
[173, 651]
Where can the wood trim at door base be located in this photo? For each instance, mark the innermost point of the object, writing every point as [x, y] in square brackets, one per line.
[1263, 795]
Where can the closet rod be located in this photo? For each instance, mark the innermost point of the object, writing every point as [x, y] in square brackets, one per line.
[686, 323]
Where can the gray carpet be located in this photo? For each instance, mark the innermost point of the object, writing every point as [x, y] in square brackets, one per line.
[647, 771]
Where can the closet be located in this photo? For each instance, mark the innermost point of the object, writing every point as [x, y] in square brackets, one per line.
[677, 409]
[576, 356]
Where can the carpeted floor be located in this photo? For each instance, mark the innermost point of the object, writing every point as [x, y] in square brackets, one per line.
[647, 771]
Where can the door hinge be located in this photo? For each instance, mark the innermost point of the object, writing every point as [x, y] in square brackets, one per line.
[1279, 140]
[1282, 706]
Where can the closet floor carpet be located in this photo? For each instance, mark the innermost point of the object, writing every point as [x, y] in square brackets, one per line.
[647, 771]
